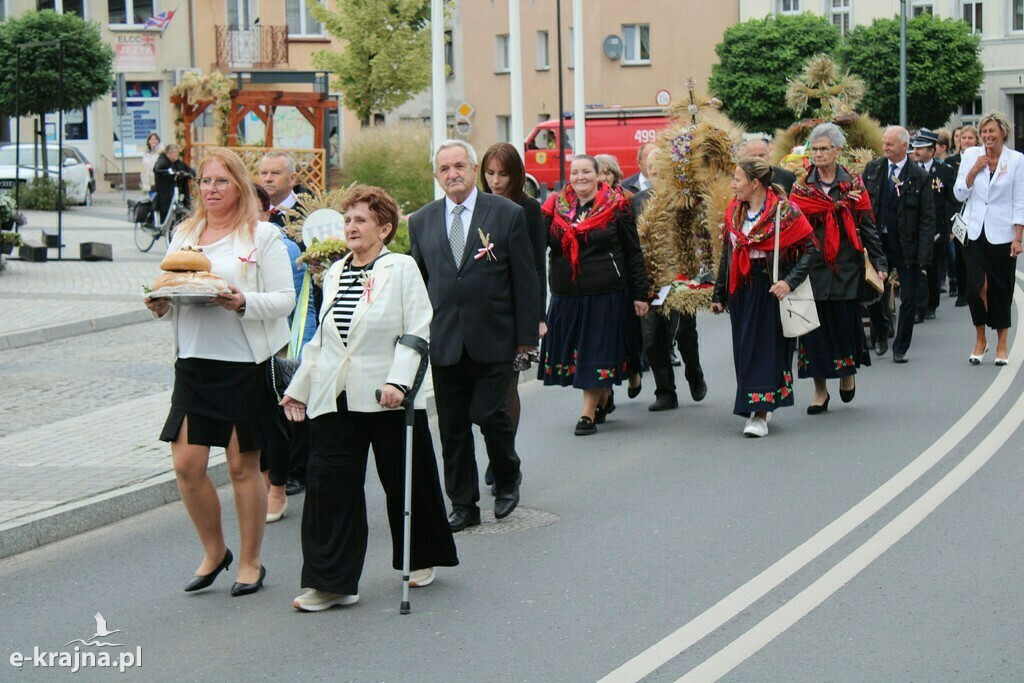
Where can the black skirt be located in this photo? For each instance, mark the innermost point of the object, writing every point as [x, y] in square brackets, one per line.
[220, 396]
[989, 264]
[593, 341]
[763, 356]
[836, 348]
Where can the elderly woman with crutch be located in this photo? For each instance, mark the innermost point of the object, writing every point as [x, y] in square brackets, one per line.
[352, 382]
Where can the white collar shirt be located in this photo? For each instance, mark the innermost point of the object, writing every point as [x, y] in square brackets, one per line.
[286, 203]
[899, 166]
[927, 166]
[642, 182]
[467, 215]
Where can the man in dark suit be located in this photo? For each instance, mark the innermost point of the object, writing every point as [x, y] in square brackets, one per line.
[943, 178]
[475, 255]
[660, 331]
[638, 182]
[904, 207]
[758, 147]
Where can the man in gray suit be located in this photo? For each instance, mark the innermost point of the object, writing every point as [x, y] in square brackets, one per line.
[475, 255]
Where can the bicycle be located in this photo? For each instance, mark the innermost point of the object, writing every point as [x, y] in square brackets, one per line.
[146, 231]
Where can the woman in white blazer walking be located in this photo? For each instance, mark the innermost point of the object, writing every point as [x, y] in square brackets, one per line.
[371, 298]
[991, 182]
[222, 396]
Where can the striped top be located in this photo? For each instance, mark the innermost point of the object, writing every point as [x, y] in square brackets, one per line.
[350, 290]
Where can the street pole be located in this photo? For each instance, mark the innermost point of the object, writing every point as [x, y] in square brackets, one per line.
[60, 151]
[17, 126]
[122, 109]
[580, 100]
[438, 111]
[515, 65]
[903, 63]
[561, 105]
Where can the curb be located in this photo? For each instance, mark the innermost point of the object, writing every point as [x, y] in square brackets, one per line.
[71, 519]
[40, 335]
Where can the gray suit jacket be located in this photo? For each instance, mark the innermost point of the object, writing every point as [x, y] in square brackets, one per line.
[486, 306]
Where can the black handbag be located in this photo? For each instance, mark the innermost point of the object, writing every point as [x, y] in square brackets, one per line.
[280, 372]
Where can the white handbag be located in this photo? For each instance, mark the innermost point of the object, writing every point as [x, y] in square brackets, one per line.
[959, 226]
[798, 310]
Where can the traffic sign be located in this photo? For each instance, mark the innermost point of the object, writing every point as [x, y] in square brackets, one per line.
[663, 98]
[464, 110]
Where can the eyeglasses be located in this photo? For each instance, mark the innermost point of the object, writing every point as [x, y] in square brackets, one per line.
[822, 150]
[220, 183]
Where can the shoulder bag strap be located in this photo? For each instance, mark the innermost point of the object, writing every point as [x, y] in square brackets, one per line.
[775, 265]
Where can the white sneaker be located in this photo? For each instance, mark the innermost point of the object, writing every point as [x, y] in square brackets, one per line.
[421, 577]
[756, 427]
[317, 601]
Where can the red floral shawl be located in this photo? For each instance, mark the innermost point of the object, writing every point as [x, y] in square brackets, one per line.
[569, 228]
[795, 231]
[815, 202]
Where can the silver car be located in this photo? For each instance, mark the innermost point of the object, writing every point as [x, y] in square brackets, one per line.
[78, 174]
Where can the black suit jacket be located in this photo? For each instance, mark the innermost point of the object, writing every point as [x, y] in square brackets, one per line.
[487, 307]
[783, 178]
[943, 177]
[915, 213]
[632, 183]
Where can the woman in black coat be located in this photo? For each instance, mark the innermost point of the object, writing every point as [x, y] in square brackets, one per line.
[168, 171]
[599, 292]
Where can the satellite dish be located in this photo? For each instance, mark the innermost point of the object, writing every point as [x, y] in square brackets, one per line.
[321, 224]
[612, 47]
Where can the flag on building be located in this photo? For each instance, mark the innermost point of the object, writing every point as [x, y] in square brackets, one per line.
[160, 21]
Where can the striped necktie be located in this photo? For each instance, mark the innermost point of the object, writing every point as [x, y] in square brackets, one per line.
[456, 236]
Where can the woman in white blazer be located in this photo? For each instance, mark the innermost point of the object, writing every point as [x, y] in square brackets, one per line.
[991, 182]
[371, 298]
[221, 395]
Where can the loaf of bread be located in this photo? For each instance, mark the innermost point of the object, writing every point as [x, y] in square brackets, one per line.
[186, 260]
[201, 283]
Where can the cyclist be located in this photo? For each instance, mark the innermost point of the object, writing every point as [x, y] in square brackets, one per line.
[170, 170]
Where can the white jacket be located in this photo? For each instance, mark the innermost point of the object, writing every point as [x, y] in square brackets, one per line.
[397, 305]
[997, 204]
[267, 283]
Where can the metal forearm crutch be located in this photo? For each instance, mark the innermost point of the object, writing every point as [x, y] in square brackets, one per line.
[418, 344]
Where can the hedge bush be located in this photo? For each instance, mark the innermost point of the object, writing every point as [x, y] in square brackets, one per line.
[395, 157]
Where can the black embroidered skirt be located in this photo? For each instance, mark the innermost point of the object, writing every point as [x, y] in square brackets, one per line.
[838, 347]
[220, 396]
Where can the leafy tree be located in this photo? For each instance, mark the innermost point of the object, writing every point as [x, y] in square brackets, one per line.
[943, 69]
[87, 64]
[758, 57]
[386, 58]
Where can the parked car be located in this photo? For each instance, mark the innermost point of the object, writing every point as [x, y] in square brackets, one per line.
[79, 179]
[616, 131]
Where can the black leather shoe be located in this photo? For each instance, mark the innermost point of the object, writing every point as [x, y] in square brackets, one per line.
[846, 395]
[462, 518]
[929, 315]
[952, 290]
[663, 403]
[507, 499]
[205, 581]
[585, 427]
[293, 487]
[892, 332]
[899, 357]
[918, 318]
[489, 476]
[698, 388]
[604, 411]
[634, 392]
[818, 410]
[960, 302]
[240, 589]
[881, 347]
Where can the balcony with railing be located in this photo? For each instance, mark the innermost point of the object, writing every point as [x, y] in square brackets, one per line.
[252, 47]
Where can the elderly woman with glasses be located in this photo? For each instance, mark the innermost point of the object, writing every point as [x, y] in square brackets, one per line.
[838, 208]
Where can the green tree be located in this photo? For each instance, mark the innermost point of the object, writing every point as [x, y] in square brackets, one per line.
[756, 58]
[943, 68]
[386, 58]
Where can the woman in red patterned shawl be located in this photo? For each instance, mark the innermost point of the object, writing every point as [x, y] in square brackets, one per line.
[836, 204]
[599, 291]
[762, 355]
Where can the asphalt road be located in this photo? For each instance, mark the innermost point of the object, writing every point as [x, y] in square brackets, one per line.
[880, 541]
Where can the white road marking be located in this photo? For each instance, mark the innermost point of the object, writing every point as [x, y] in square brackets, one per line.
[714, 617]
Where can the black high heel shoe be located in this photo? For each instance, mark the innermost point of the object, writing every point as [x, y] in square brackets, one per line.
[601, 412]
[846, 395]
[247, 588]
[206, 580]
[818, 410]
[634, 392]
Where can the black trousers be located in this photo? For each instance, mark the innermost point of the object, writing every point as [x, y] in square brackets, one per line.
[928, 297]
[658, 333]
[334, 527]
[469, 393]
[283, 457]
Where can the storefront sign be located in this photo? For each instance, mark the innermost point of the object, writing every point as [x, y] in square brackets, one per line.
[134, 52]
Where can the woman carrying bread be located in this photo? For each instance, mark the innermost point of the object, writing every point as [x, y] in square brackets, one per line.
[221, 391]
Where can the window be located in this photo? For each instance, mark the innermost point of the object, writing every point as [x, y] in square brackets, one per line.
[920, 7]
[1017, 15]
[61, 6]
[130, 11]
[972, 15]
[241, 13]
[504, 128]
[300, 20]
[637, 44]
[841, 16]
[501, 59]
[789, 6]
[972, 109]
[543, 51]
[449, 53]
[141, 119]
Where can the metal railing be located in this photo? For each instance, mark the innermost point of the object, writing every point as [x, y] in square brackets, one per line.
[252, 47]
